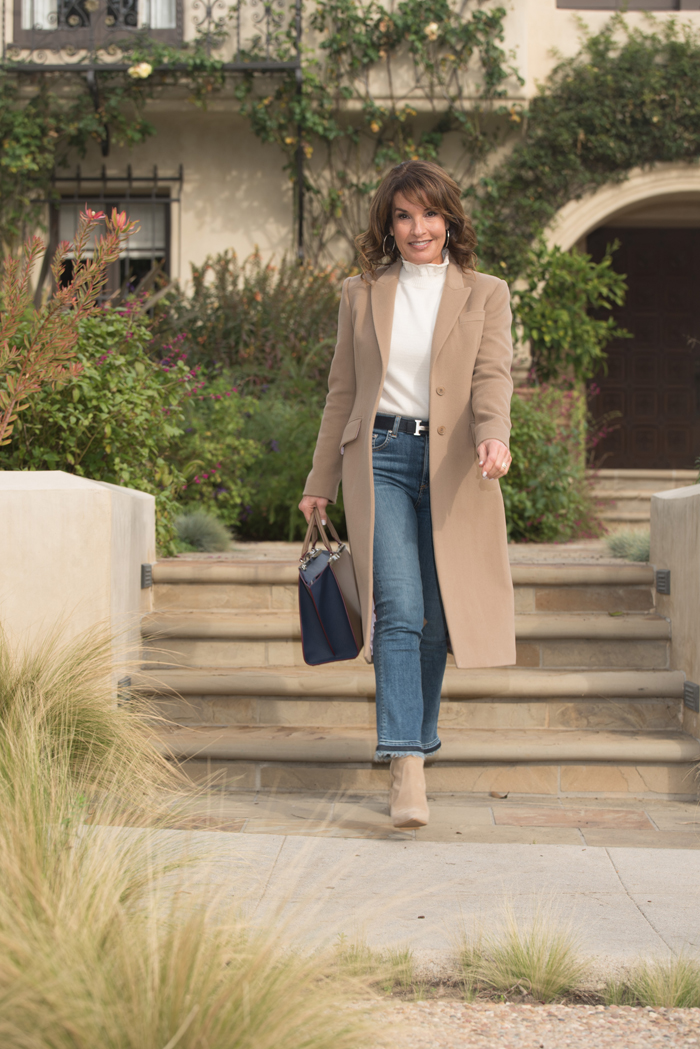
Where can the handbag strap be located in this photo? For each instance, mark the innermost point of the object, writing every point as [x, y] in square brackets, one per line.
[316, 530]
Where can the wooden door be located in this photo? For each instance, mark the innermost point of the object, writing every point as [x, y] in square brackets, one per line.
[653, 379]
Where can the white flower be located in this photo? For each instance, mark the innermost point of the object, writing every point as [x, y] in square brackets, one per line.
[431, 30]
[140, 71]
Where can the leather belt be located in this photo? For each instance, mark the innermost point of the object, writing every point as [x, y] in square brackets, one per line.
[417, 427]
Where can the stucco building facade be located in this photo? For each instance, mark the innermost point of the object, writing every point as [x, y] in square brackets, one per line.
[205, 183]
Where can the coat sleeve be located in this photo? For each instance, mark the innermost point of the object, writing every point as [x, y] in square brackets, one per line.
[326, 470]
[492, 385]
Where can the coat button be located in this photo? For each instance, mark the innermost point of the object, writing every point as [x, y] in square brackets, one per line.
[441, 430]
[440, 391]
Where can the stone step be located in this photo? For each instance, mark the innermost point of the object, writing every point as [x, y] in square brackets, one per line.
[268, 624]
[615, 700]
[672, 781]
[544, 713]
[625, 514]
[624, 494]
[356, 680]
[269, 638]
[651, 480]
[569, 763]
[196, 585]
[265, 573]
[331, 746]
[615, 494]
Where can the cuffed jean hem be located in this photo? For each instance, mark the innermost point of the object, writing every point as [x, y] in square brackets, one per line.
[407, 751]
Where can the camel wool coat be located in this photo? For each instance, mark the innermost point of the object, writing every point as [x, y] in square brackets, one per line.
[470, 392]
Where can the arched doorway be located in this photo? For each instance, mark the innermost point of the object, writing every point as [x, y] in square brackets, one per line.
[650, 390]
[652, 379]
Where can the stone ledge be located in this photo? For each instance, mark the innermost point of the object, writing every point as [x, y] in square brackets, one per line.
[284, 574]
[508, 683]
[284, 625]
[253, 743]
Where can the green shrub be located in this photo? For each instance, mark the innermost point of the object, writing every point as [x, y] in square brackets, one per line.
[212, 452]
[286, 432]
[564, 311]
[265, 323]
[202, 531]
[546, 495]
[115, 421]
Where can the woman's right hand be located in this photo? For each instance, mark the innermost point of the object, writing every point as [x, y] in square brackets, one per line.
[308, 503]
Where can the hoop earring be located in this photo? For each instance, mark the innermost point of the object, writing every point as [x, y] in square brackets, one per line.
[384, 243]
[446, 244]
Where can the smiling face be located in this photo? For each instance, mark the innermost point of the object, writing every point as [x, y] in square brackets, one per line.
[419, 231]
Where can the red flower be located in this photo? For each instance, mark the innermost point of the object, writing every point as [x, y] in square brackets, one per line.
[119, 219]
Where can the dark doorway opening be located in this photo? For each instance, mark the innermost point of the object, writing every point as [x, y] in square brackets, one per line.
[653, 379]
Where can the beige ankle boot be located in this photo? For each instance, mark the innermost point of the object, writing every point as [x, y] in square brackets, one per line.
[408, 804]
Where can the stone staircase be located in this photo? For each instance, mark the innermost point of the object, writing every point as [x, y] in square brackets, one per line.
[591, 706]
[624, 496]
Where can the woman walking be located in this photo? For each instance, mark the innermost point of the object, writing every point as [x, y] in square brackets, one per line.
[417, 424]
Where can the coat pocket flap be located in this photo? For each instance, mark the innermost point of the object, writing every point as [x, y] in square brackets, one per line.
[350, 432]
[472, 315]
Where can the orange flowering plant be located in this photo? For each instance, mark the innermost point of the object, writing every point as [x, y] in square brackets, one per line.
[38, 346]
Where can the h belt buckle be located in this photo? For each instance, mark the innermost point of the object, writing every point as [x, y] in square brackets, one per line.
[419, 428]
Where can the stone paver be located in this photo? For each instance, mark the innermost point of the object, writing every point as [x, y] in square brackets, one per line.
[463, 818]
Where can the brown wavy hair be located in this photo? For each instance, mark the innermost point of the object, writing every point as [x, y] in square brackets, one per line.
[425, 184]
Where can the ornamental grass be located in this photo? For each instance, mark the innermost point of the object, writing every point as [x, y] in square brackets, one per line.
[538, 956]
[667, 983]
[109, 935]
[629, 544]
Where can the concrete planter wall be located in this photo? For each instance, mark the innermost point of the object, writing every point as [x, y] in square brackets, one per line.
[71, 552]
[675, 545]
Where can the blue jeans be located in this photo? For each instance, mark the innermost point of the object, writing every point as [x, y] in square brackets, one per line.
[410, 634]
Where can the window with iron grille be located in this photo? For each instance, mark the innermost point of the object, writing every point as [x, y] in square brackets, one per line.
[149, 200]
[90, 23]
[146, 248]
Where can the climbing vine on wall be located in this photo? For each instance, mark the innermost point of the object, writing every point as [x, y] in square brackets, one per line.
[47, 117]
[38, 132]
[629, 98]
[382, 85]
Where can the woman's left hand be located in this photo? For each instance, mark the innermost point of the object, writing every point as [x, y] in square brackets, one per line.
[494, 459]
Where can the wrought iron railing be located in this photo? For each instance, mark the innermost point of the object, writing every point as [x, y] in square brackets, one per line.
[259, 34]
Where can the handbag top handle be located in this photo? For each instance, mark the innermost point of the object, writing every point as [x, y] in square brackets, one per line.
[315, 530]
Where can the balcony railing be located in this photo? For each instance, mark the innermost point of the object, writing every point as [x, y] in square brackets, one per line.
[245, 34]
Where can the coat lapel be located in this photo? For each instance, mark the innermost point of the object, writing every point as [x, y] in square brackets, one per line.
[455, 293]
[383, 298]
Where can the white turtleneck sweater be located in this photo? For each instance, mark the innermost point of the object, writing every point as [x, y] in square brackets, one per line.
[407, 385]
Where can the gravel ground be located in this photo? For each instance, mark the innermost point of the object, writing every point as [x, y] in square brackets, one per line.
[454, 1025]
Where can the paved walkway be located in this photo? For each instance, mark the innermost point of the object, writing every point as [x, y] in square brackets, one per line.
[337, 867]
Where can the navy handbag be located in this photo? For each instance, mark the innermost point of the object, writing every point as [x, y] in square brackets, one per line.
[329, 605]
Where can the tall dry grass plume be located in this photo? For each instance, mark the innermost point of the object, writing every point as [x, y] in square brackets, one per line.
[109, 935]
